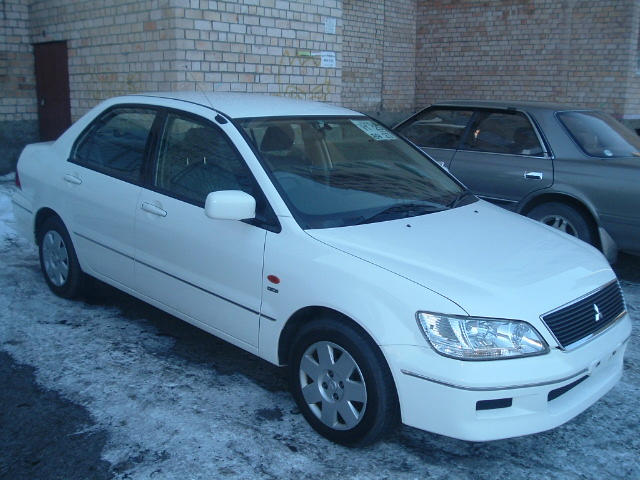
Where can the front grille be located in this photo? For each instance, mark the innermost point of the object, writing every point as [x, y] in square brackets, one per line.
[586, 316]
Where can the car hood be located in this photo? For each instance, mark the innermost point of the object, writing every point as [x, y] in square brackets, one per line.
[490, 262]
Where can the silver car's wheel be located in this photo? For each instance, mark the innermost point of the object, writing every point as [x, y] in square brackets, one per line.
[55, 258]
[561, 223]
[564, 218]
[333, 386]
[342, 382]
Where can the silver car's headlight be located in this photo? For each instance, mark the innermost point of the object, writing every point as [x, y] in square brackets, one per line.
[470, 338]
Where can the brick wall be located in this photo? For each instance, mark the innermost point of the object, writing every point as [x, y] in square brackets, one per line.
[18, 109]
[115, 46]
[123, 46]
[17, 81]
[378, 73]
[400, 59]
[363, 53]
[579, 51]
[384, 57]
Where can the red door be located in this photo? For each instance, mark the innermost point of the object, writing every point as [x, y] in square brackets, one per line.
[52, 87]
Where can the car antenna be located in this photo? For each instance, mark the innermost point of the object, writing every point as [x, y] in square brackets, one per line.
[219, 118]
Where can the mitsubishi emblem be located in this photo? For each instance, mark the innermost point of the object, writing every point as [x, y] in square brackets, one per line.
[598, 312]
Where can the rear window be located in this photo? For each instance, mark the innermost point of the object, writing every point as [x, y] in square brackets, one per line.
[600, 135]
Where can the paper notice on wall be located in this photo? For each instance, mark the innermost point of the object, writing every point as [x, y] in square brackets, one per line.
[330, 26]
[327, 59]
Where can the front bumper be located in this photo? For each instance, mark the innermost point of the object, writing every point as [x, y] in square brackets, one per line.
[491, 400]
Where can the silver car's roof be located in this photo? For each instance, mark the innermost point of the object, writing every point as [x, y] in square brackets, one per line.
[244, 105]
[506, 104]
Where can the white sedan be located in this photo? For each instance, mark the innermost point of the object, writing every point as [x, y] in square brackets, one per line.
[314, 237]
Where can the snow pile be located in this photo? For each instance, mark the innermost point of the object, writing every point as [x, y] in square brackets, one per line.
[6, 212]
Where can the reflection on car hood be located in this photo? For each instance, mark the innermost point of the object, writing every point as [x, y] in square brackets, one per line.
[487, 260]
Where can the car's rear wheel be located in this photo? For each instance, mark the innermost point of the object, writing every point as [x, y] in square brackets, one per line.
[58, 260]
[565, 218]
[342, 383]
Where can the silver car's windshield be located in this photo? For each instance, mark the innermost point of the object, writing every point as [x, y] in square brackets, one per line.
[343, 171]
[599, 135]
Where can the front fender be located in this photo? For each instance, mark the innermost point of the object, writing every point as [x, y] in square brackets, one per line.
[383, 303]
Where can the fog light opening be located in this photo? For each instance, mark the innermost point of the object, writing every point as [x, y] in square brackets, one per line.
[494, 404]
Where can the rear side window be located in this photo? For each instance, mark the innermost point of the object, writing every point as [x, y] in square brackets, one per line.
[437, 128]
[497, 132]
[600, 135]
[116, 143]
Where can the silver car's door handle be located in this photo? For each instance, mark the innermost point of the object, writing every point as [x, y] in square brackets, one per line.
[155, 210]
[72, 179]
[534, 175]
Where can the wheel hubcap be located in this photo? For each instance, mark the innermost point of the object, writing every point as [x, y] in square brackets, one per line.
[561, 223]
[55, 258]
[333, 386]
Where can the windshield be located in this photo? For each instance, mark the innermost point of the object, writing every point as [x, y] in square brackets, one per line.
[343, 171]
[599, 135]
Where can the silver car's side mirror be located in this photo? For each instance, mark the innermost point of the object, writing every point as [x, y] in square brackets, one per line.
[230, 205]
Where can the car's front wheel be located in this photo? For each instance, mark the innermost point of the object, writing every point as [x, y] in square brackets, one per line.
[565, 218]
[58, 260]
[342, 383]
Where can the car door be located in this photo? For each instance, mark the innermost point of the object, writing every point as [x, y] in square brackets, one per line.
[207, 271]
[103, 177]
[502, 158]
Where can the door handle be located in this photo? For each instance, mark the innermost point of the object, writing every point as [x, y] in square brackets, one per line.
[153, 209]
[72, 179]
[533, 175]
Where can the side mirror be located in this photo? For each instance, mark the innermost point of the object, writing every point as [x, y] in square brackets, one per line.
[230, 205]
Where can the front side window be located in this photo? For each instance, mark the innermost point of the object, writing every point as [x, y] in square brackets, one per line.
[196, 158]
[497, 132]
[436, 128]
[599, 135]
[116, 143]
[342, 171]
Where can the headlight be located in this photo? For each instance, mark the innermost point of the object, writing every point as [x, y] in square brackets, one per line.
[470, 338]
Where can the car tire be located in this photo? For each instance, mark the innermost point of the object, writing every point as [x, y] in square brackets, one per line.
[58, 260]
[342, 383]
[565, 218]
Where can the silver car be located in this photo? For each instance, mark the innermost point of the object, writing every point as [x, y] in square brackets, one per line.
[574, 169]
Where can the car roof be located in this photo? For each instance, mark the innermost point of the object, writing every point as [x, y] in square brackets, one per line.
[506, 104]
[247, 105]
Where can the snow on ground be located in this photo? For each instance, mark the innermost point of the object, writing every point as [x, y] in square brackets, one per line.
[178, 403]
[6, 213]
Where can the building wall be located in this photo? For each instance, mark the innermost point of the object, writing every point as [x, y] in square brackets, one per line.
[576, 51]
[384, 57]
[378, 73]
[399, 87]
[125, 46]
[18, 109]
[363, 54]
[114, 46]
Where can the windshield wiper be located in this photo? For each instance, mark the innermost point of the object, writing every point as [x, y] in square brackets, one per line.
[402, 210]
[457, 201]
